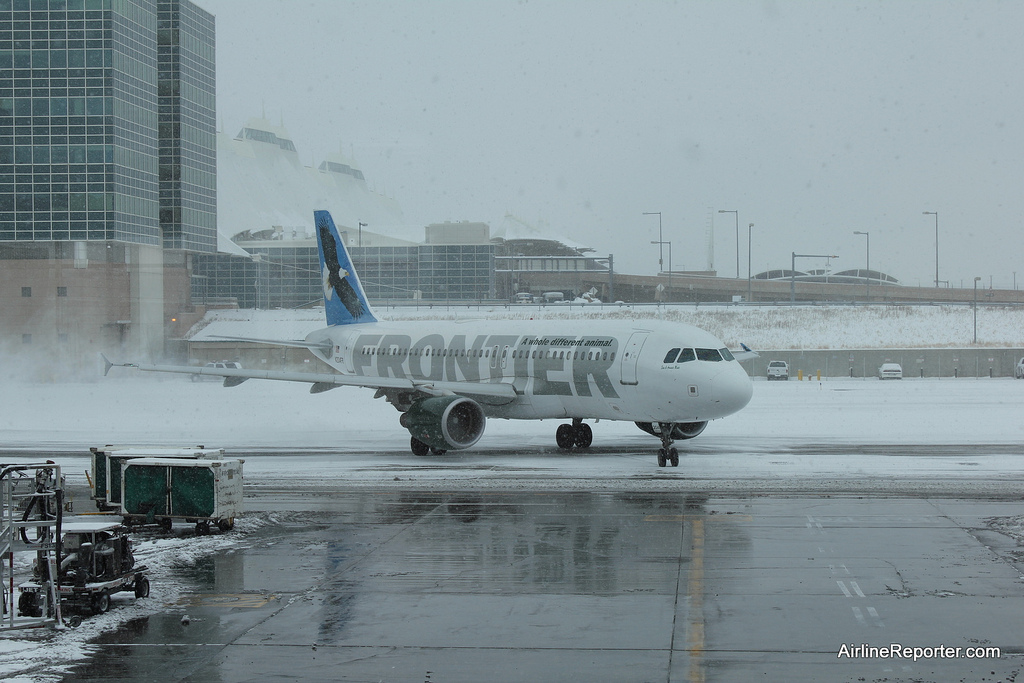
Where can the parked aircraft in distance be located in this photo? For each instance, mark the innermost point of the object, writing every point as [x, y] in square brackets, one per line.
[446, 378]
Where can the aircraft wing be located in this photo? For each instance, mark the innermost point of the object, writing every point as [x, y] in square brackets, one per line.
[295, 343]
[321, 381]
[745, 354]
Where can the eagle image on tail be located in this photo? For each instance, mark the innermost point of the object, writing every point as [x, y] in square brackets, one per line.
[334, 275]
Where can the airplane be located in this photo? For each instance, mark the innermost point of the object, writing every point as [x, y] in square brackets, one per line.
[447, 378]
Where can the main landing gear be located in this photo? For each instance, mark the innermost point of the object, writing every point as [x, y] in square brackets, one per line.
[576, 435]
[420, 448]
[667, 453]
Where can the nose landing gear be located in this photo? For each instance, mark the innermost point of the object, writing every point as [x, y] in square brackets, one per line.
[667, 454]
[576, 435]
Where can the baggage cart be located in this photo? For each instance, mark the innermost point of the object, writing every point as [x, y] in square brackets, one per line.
[203, 492]
[108, 462]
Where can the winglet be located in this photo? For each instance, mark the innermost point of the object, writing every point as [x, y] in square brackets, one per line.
[746, 354]
[344, 300]
[107, 364]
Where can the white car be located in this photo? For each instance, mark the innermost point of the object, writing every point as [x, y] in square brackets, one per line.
[220, 365]
[890, 371]
[1018, 371]
[778, 369]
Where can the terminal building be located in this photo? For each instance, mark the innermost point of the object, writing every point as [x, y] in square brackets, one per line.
[267, 256]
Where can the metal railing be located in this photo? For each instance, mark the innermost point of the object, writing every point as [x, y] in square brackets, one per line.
[31, 512]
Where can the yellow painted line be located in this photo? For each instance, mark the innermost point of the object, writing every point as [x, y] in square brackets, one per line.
[695, 588]
[231, 600]
[683, 518]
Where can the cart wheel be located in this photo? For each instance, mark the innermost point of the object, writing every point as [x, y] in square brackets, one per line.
[101, 603]
[28, 605]
[142, 587]
[226, 524]
[202, 528]
[74, 621]
[165, 523]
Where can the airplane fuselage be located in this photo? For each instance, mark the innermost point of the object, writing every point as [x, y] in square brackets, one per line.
[560, 369]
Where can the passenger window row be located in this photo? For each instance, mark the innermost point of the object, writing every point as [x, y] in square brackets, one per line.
[678, 355]
[486, 353]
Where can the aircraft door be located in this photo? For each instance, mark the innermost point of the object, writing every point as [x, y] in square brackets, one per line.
[344, 353]
[630, 356]
[504, 357]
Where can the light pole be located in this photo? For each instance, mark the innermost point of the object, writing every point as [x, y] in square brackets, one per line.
[936, 214]
[669, 243]
[736, 215]
[792, 272]
[661, 252]
[749, 228]
[976, 309]
[867, 267]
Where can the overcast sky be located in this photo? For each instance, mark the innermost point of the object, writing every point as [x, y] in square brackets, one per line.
[812, 119]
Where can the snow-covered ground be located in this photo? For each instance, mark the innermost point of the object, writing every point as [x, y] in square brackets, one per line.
[284, 431]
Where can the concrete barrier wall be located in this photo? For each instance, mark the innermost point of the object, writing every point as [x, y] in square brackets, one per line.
[915, 362]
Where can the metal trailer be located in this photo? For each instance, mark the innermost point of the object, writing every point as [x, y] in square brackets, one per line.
[204, 492]
[96, 561]
[108, 463]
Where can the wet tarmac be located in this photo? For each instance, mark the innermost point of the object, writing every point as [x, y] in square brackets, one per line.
[391, 585]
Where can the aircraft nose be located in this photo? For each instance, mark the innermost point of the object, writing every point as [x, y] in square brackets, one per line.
[732, 390]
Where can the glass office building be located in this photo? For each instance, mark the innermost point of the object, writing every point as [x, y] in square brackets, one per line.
[80, 130]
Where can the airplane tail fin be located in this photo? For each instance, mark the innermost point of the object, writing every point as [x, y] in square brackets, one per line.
[344, 299]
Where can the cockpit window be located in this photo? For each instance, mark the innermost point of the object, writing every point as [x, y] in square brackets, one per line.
[686, 355]
[709, 354]
[670, 357]
[727, 354]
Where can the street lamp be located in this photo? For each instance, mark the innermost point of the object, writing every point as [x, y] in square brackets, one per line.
[936, 214]
[976, 309]
[669, 243]
[736, 215]
[749, 228]
[661, 253]
[792, 272]
[867, 267]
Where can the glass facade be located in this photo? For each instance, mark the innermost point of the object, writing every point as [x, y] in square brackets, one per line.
[289, 276]
[453, 272]
[79, 136]
[187, 126]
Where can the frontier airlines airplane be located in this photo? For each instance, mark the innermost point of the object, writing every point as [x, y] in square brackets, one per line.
[447, 378]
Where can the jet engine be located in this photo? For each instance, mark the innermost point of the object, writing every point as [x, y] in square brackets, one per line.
[682, 431]
[445, 422]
